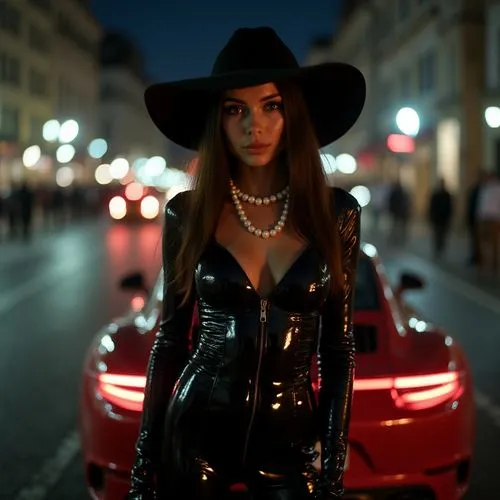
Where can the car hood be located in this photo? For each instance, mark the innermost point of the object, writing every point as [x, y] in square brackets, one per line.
[124, 346]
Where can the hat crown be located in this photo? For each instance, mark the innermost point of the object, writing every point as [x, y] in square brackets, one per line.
[254, 48]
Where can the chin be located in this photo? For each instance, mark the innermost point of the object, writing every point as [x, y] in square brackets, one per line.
[257, 161]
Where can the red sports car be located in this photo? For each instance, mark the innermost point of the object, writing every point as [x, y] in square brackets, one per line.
[412, 427]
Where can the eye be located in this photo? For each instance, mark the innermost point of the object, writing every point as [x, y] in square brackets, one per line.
[233, 109]
[274, 106]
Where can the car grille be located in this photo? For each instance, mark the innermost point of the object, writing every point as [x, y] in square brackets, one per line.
[366, 338]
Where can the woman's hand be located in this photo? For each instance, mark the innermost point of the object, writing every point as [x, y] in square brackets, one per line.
[142, 483]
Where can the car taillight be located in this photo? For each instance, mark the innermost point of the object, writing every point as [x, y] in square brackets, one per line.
[416, 392]
[117, 207]
[125, 391]
[425, 391]
[150, 207]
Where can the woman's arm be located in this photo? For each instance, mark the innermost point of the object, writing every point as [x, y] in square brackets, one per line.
[336, 355]
[168, 357]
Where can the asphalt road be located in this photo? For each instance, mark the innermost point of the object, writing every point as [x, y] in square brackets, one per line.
[56, 292]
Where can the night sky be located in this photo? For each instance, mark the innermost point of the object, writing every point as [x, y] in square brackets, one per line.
[180, 39]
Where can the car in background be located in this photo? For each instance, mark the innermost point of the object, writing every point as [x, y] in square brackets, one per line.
[135, 202]
[413, 415]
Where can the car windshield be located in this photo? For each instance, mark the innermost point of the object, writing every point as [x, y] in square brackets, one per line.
[366, 297]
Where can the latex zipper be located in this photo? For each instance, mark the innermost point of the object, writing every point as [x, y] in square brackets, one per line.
[262, 336]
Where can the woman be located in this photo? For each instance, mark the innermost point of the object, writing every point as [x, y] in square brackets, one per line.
[266, 250]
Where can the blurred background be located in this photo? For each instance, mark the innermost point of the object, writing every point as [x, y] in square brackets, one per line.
[84, 176]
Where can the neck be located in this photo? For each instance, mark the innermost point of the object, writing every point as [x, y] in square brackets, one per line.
[261, 181]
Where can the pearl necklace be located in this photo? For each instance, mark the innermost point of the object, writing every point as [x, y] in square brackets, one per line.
[237, 194]
[257, 200]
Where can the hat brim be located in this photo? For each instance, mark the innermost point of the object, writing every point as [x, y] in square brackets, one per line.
[334, 92]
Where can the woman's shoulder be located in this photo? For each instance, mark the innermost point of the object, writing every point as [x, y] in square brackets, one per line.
[344, 201]
[177, 205]
[176, 210]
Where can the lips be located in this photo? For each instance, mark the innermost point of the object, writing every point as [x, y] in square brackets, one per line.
[256, 147]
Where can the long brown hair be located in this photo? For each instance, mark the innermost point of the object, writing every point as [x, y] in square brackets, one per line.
[311, 212]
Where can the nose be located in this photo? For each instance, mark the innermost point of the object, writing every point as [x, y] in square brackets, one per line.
[252, 123]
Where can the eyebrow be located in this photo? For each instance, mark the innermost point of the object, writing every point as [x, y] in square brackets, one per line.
[241, 101]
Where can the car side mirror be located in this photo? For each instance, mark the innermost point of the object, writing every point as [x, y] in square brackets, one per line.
[410, 281]
[134, 281]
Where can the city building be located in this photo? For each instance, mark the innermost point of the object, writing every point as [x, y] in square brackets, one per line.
[352, 43]
[124, 121]
[491, 102]
[429, 56]
[49, 70]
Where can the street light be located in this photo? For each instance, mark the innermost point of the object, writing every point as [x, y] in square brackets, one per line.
[61, 135]
[50, 131]
[346, 163]
[362, 195]
[119, 168]
[102, 174]
[492, 116]
[65, 176]
[97, 148]
[155, 166]
[408, 121]
[65, 153]
[31, 156]
[68, 131]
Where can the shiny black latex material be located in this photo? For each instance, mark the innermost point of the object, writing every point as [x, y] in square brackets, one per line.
[240, 408]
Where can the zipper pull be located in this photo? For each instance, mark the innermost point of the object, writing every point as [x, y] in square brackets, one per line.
[263, 310]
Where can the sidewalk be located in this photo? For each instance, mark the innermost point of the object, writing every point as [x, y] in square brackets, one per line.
[419, 243]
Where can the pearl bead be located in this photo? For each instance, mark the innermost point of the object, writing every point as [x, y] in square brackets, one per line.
[257, 200]
[237, 195]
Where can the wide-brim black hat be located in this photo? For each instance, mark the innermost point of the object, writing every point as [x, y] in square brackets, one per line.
[334, 92]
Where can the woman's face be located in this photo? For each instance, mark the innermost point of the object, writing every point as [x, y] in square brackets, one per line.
[252, 119]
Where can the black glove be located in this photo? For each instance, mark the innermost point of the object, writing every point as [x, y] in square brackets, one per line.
[336, 357]
[142, 486]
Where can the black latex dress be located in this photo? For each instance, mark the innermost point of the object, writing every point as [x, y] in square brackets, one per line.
[241, 406]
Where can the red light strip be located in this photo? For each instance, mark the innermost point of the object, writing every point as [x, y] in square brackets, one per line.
[362, 384]
[116, 388]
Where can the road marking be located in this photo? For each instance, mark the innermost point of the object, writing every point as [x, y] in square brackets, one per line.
[22, 292]
[472, 292]
[52, 470]
[18, 254]
[39, 283]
